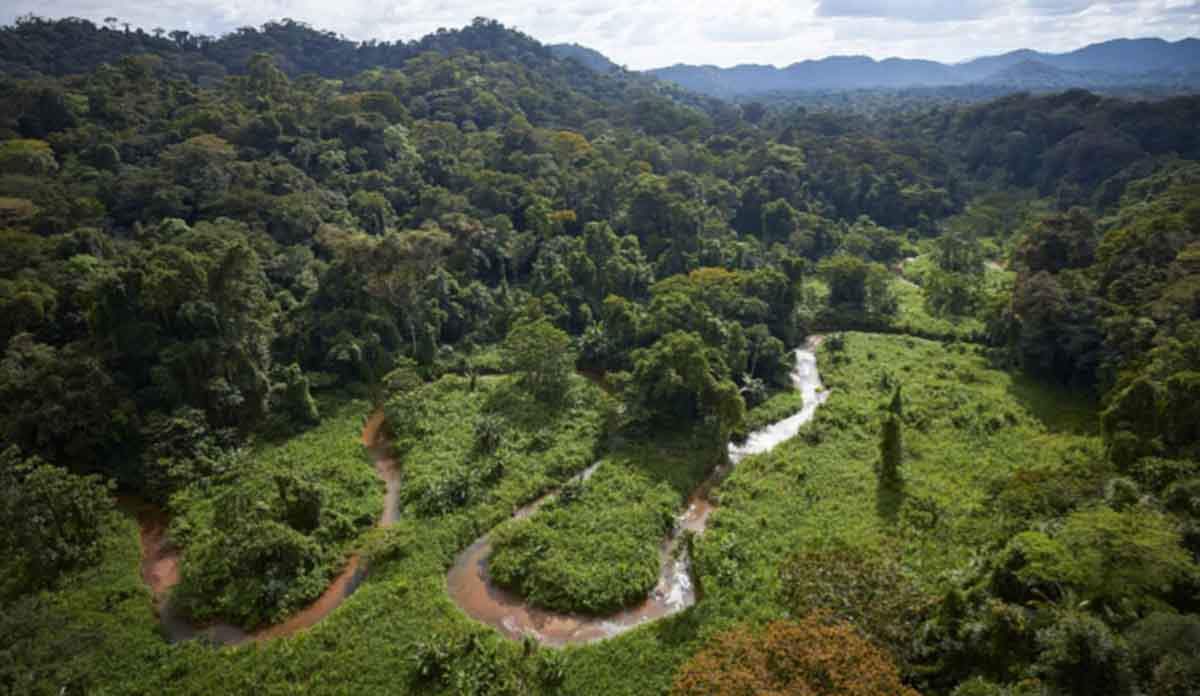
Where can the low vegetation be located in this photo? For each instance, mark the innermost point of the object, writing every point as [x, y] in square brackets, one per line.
[265, 537]
[595, 547]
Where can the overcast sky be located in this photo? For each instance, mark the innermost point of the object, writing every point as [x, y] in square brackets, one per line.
[652, 33]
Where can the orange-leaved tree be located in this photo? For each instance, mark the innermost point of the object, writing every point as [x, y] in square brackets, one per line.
[815, 656]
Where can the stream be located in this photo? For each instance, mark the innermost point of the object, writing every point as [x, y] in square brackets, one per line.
[468, 582]
[160, 561]
[473, 591]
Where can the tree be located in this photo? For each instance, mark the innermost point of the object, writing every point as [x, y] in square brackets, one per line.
[542, 355]
[809, 657]
[27, 158]
[1080, 656]
[62, 404]
[1059, 242]
[1121, 559]
[51, 520]
[293, 399]
[779, 222]
[858, 285]
[679, 380]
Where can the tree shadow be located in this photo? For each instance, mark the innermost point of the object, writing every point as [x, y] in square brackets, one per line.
[1058, 408]
[889, 498]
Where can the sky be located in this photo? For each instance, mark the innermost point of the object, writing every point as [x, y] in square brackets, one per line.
[642, 34]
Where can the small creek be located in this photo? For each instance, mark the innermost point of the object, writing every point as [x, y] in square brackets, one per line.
[160, 561]
[474, 592]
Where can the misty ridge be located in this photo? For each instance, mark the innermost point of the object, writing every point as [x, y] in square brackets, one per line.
[30, 47]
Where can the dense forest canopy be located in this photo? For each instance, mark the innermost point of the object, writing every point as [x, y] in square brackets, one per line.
[219, 254]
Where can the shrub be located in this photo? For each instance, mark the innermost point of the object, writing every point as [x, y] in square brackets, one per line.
[1163, 648]
[1082, 657]
[1109, 556]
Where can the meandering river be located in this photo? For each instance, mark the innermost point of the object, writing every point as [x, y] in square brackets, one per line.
[473, 591]
[468, 582]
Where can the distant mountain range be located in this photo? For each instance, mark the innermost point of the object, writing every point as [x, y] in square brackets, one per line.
[1117, 63]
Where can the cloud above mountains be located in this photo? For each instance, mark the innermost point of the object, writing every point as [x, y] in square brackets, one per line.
[721, 32]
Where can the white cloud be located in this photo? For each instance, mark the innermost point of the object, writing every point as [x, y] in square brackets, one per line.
[723, 32]
[910, 10]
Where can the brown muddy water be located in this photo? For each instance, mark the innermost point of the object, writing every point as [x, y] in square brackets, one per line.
[160, 561]
[473, 591]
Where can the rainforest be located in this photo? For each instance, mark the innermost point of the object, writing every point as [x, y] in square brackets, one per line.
[466, 366]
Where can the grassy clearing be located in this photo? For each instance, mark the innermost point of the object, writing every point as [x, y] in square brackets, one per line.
[912, 317]
[265, 538]
[595, 547]
[967, 428]
[495, 447]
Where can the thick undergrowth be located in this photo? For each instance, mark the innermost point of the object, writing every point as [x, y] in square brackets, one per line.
[596, 546]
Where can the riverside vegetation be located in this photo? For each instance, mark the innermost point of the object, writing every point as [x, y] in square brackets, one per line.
[222, 255]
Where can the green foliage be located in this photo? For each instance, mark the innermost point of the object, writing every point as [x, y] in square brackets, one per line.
[1123, 559]
[541, 354]
[595, 547]
[27, 157]
[265, 539]
[1160, 646]
[447, 469]
[891, 443]
[51, 521]
[679, 380]
[1081, 656]
[201, 233]
[858, 285]
[774, 409]
[871, 591]
[967, 428]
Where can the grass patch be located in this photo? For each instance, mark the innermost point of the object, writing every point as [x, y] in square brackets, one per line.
[495, 446]
[594, 548]
[913, 317]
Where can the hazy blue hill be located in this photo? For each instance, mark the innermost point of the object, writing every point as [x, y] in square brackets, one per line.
[1130, 56]
[1125, 62]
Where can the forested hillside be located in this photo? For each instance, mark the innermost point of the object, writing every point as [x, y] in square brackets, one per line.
[221, 255]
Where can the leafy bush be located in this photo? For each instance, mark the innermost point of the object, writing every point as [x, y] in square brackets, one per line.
[263, 541]
[1081, 656]
[871, 591]
[51, 521]
[595, 547]
[1163, 648]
